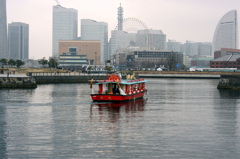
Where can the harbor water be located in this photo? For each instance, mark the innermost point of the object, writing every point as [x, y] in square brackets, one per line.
[177, 119]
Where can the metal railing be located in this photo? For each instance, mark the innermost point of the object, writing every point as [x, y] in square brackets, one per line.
[64, 74]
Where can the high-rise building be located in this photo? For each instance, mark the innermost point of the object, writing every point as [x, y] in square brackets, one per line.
[18, 41]
[120, 40]
[226, 33]
[173, 45]
[151, 39]
[204, 49]
[3, 30]
[190, 48]
[93, 30]
[64, 26]
[120, 17]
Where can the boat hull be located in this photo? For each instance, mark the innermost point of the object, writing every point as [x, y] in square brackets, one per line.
[116, 97]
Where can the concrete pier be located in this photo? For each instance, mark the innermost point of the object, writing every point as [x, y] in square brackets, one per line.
[229, 82]
[17, 82]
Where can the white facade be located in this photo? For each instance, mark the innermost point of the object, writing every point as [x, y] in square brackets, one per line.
[18, 41]
[205, 49]
[190, 48]
[152, 39]
[93, 30]
[64, 26]
[121, 40]
[173, 45]
[226, 33]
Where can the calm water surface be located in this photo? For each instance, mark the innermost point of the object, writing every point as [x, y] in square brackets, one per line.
[177, 119]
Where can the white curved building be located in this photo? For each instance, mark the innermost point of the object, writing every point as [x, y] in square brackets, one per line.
[226, 33]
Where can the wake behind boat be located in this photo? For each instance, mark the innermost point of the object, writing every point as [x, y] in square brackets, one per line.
[115, 89]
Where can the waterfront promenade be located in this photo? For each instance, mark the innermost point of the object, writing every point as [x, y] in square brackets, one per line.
[172, 75]
[52, 77]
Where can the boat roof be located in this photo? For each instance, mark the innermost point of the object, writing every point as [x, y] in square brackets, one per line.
[124, 82]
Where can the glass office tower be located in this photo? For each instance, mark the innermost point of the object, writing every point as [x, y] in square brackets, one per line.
[93, 30]
[3, 30]
[18, 41]
[64, 26]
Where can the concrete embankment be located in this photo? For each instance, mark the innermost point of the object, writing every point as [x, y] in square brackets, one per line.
[229, 82]
[182, 75]
[68, 79]
[17, 82]
[52, 78]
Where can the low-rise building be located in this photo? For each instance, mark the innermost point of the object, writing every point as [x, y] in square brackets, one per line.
[225, 51]
[154, 59]
[227, 61]
[92, 49]
[203, 62]
[72, 61]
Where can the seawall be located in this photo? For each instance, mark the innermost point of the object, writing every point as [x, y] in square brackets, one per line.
[67, 79]
[180, 75]
[229, 82]
[17, 82]
[70, 77]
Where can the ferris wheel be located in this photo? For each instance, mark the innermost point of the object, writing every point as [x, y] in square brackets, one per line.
[130, 28]
[132, 25]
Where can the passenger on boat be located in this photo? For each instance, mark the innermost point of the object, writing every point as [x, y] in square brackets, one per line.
[115, 89]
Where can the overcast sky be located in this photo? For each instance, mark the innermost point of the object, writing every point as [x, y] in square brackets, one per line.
[180, 20]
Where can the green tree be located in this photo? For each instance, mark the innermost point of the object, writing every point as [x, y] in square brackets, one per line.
[19, 63]
[43, 61]
[52, 63]
[108, 68]
[12, 62]
[4, 61]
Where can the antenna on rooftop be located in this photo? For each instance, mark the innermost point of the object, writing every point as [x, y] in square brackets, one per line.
[58, 3]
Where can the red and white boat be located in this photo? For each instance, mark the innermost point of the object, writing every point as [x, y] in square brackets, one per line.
[115, 89]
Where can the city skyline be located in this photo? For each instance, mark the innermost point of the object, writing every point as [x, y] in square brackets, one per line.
[193, 20]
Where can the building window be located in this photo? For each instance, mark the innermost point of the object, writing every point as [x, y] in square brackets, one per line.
[72, 50]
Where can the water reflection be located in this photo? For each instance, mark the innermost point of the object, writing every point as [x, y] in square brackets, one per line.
[113, 111]
[229, 93]
[226, 123]
[3, 145]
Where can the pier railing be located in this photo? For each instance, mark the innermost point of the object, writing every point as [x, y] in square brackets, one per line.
[34, 74]
[66, 77]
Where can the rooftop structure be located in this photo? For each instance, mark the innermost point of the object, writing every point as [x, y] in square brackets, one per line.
[120, 17]
[225, 51]
[227, 61]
